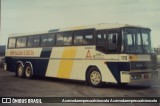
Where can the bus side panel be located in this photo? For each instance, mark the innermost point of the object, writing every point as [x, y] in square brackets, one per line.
[116, 68]
[11, 64]
[39, 66]
[107, 76]
[65, 63]
[73, 62]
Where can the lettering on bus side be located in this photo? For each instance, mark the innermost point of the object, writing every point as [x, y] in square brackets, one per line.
[22, 52]
[98, 56]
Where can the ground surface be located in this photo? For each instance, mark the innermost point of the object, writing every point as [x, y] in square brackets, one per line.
[49, 87]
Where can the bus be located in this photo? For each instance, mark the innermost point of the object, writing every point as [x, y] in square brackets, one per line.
[157, 51]
[97, 54]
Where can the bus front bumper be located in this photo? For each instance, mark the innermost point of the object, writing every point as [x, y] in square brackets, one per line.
[138, 75]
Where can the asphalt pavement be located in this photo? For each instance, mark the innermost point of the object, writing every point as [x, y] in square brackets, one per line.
[11, 86]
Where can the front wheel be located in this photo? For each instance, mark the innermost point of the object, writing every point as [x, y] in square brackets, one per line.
[122, 84]
[94, 77]
[28, 71]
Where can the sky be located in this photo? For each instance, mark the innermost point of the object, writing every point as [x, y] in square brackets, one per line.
[25, 16]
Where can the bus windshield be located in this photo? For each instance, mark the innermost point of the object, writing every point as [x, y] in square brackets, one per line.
[136, 40]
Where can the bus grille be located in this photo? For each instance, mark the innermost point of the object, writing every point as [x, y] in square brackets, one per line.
[140, 65]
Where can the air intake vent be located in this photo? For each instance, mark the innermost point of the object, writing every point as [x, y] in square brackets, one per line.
[140, 65]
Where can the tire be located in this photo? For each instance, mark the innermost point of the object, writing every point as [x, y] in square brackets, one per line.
[20, 71]
[28, 71]
[94, 77]
[122, 84]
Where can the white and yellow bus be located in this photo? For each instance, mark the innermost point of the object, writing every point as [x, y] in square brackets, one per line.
[111, 53]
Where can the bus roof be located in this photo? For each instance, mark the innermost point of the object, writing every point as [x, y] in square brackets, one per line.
[98, 27]
[29, 33]
[94, 26]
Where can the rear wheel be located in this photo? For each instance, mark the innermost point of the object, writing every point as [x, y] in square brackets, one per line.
[28, 71]
[20, 71]
[94, 77]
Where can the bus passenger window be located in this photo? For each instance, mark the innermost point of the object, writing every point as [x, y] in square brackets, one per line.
[67, 38]
[88, 39]
[48, 40]
[64, 38]
[59, 40]
[12, 43]
[84, 37]
[78, 40]
[33, 41]
[21, 42]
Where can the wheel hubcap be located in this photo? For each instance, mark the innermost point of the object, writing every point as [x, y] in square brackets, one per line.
[28, 71]
[20, 71]
[95, 77]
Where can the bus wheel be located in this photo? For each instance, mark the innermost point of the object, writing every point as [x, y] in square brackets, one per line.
[94, 77]
[20, 71]
[122, 84]
[28, 71]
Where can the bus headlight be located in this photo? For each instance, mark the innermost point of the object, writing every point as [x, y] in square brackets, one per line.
[154, 75]
[135, 77]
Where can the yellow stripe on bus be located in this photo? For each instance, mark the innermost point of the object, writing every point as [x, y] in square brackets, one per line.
[66, 62]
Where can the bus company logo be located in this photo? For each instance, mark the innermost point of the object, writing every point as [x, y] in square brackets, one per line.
[6, 100]
[88, 55]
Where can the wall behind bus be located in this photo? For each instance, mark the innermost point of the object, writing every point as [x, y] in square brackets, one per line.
[2, 54]
[2, 50]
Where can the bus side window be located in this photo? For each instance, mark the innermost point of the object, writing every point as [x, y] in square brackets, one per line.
[48, 40]
[67, 38]
[112, 41]
[78, 38]
[84, 37]
[64, 38]
[12, 43]
[88, 39]
[33, 41]
[101, 41]
[59, 40]
[21, 42]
